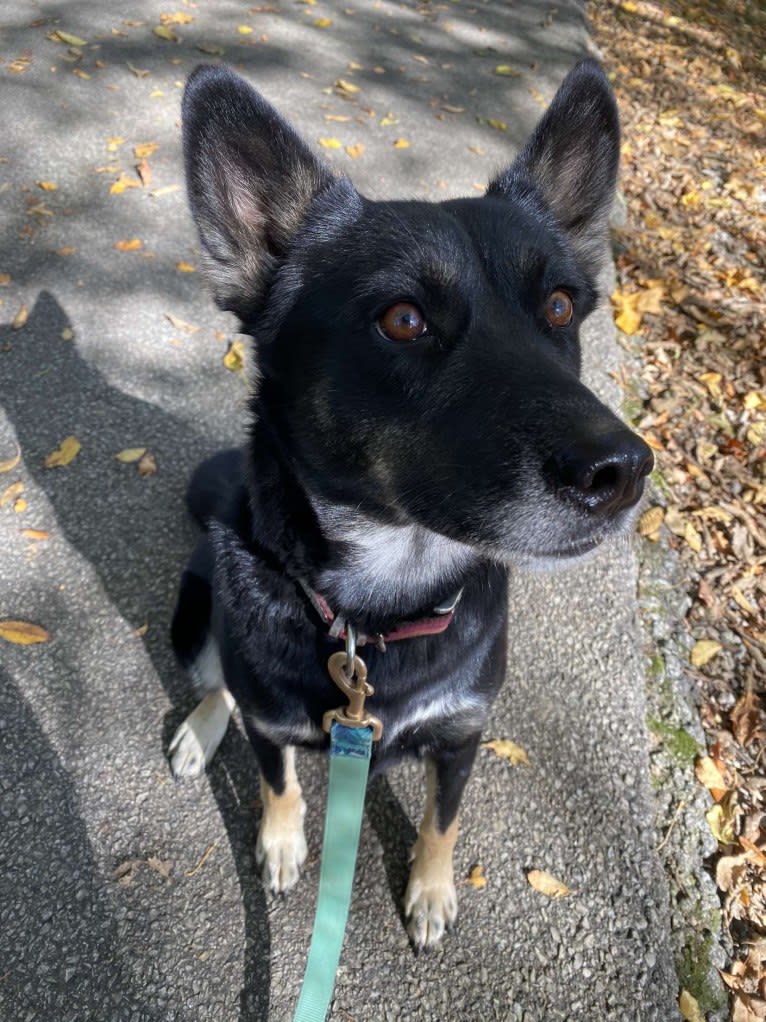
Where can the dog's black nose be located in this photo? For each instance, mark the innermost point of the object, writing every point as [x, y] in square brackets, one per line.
[604, 473]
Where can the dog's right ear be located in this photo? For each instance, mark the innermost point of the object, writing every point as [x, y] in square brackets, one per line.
[251, 181]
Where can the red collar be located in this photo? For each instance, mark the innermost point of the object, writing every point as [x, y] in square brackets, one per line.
[436, 624]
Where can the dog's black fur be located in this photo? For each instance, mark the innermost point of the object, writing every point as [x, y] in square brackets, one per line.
[388, 474]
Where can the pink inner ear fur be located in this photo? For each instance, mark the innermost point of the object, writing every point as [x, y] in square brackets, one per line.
[239, 197]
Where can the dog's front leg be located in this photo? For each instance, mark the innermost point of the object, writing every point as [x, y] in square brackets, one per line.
[281, 846]
[430, 902]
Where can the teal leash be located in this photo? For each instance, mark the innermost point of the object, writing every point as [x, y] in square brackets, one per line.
[350, 750]
[352, 732]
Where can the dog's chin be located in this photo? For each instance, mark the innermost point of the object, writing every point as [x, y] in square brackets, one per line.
[560, 558]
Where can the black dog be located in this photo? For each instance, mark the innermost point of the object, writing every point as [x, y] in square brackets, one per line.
[418, 422]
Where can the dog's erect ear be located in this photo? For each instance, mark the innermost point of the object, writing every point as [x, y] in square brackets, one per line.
[571, 160]
[251, 181]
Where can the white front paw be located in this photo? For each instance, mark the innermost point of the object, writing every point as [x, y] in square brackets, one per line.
[431, 908]
[196, 740]
[281, 846]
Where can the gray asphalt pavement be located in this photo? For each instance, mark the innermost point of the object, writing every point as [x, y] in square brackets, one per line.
[127, 897]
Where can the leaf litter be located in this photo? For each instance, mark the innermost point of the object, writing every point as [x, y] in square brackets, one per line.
[690, 80]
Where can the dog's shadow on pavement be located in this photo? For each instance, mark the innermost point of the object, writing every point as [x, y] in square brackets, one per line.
[135, 533]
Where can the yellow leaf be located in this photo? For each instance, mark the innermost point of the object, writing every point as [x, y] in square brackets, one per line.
[20, 319]
[713, 383]
[355, 151]
[165, 190]
[690, 1009]
[81, 74]
[476, 878]
[5, 279]
[703, 651]
[547, 884]
[178, 18]
[721, 824]
[19, 505]
[144, 149]
[401, 143]
[68, 449]
[755, 433]
[10, 463]
[183, 267]
[692, 537]
[628, 318]
[131, 454]
[508, 70]
[386, 121]
[11, 492]
[38, 534]
[331, 143]
[234, 359]
[113, 143]
[629, 6]
[650, 521]
[144, 171]
[123, 182]
[244, 30]
[323, 22]
[48, 186]
[709, 775]
[493, 122]
[181, 324]
[129, 245]
[346, 88]
[337, 117]
[22, 633]
[165, 32]
[66, 37]
[509, 750]
[754, 399]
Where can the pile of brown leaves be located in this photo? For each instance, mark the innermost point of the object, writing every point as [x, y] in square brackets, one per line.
[691, 265]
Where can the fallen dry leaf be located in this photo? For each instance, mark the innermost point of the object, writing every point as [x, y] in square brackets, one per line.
[234, 359]
[704, 651]
[20, 319]
[547, 884]
[67, 450]
[10, 493]
[355, 151]
[166, 33]
[506, 749]
[38, 534]
[48, 186]
[476, 878]
[130, 454]
[508, 70]
[5, 279]
[147, 465]
[19, 505]
[66, 37]
[129, 245]
[145, 149]
[323, 23]
[144, 171]
[122, 183]
[22, 633]
[498, 125]
[709, 775]
[689, 1007]
[650, 521]
[10, 463]
[746, 718]
[183, 267]
[181, 324]
[331, 143]
[401, 143]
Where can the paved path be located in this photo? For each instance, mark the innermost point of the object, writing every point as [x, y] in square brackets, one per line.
[91, 928]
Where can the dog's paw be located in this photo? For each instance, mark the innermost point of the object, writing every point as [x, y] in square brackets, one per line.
[196, 740]
[281, 847]
[431, 908]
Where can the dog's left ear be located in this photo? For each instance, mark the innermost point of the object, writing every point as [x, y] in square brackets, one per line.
[571, 161]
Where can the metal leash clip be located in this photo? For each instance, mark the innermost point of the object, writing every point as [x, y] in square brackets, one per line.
[349, 672]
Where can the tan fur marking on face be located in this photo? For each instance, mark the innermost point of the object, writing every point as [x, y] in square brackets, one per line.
[430, 902]
[281, 846]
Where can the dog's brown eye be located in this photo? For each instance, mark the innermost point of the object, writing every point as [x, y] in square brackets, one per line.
[402, 322]
[559, 309]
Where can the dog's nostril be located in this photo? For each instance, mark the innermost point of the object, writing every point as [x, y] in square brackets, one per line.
[604, 473]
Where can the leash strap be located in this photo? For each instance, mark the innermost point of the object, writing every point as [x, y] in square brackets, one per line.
[350, 751]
